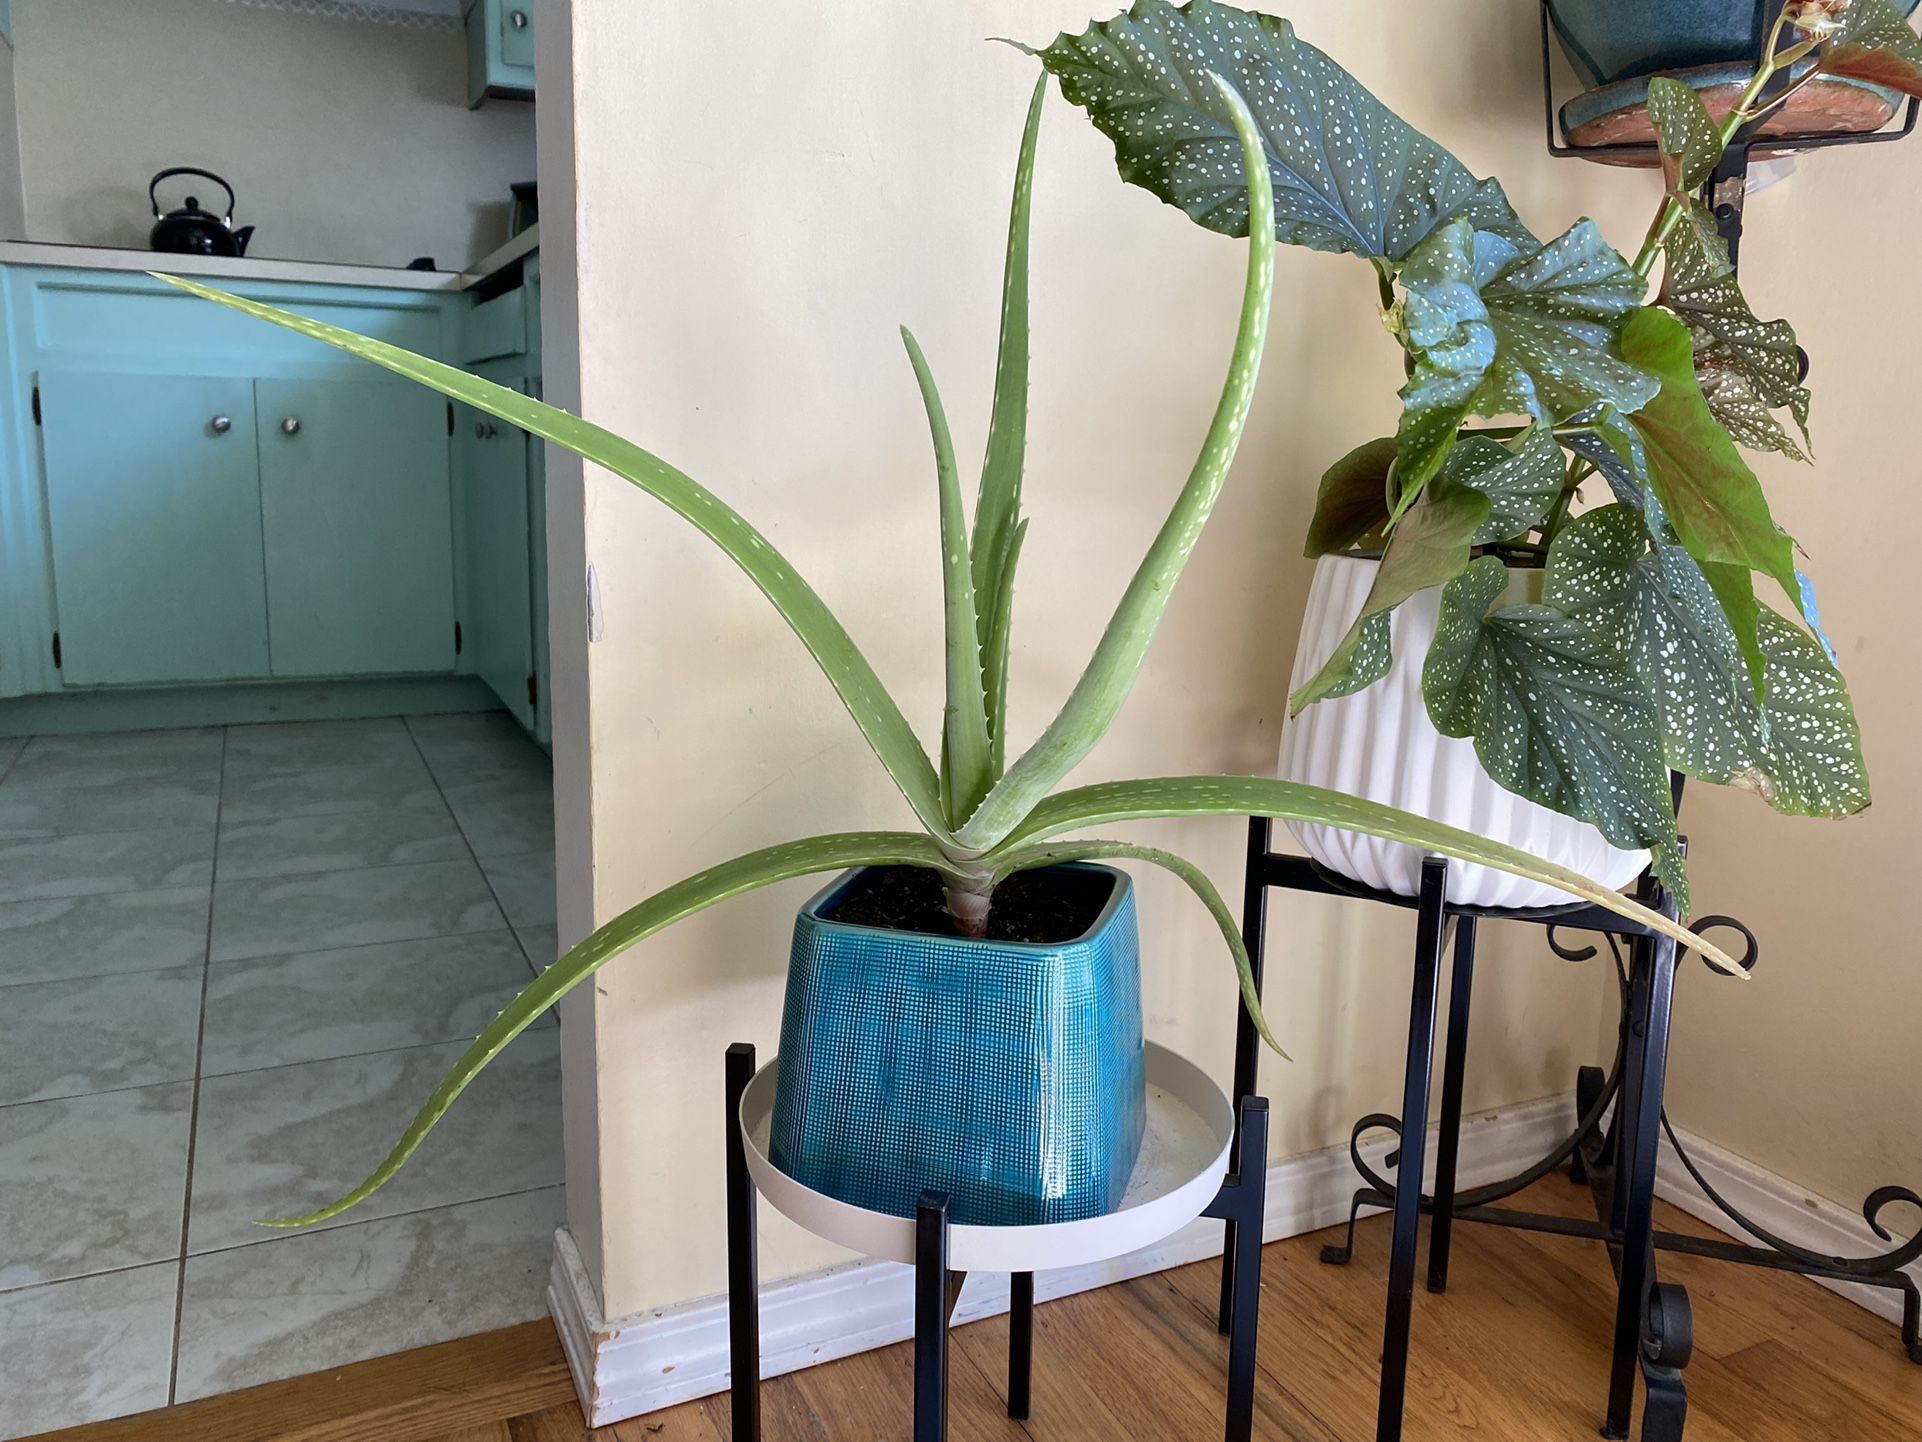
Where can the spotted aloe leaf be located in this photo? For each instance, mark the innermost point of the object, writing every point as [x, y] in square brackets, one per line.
[1494, 331]
[1428, 547]
[1556, 710]
[1876, 44]
[1349, 174]
[1800, 749]
[1743, 365]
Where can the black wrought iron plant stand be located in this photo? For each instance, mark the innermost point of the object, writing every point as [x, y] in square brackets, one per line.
[1614, 1155]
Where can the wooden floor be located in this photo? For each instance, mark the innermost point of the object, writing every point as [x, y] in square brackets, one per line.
[1516, 1350]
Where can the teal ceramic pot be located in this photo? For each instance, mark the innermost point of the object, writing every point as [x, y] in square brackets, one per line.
[1610, 40]
[1008, 1074]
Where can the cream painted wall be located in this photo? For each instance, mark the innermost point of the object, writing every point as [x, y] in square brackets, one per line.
[346, 141]
[13, 210]
[763, 195]
[1810, 1070]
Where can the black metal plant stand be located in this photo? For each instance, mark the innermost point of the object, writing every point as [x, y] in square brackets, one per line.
[1615, 1157]
[937, 1287]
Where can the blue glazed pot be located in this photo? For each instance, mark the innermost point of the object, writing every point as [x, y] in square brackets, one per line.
[1008, 1074]
[1610, 40]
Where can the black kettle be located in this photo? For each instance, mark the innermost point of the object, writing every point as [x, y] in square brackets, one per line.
[191, 230]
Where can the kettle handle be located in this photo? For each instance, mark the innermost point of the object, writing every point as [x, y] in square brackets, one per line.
[153, 186]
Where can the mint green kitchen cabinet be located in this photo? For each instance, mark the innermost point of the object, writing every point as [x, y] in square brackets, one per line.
[500, 50]
[498, 605]
[153, 509]
[356, 523]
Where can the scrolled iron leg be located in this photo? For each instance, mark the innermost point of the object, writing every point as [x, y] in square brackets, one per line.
[1020, 1343]
[743, 1268]
[1414, 1134]
[1461, 986]
[931, 1310]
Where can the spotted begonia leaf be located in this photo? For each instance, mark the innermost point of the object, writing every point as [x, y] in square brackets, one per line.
[1521, 483]
[1429, 546]
[1800, 750]
[1691, 141]
[1729, 341]
[1876, 44]
[1556, 710]
[1350, 175]
[1497, 332]
[1351, 507]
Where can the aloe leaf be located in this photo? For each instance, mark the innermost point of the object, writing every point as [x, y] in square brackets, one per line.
[861, 691]
[997, 506]
[1351, 508]
[1349, 174]
[965, 776]
[1691, 141]
[1054, 853]
[1556, 710]
[1092, 705]
[1244, 796]
[636, 924]
[1428, 547]
[1876, 44]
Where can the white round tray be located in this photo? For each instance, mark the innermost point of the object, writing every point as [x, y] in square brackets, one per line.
[1184, 1158]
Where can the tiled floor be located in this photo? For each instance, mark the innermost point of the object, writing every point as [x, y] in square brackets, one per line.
[233, 961]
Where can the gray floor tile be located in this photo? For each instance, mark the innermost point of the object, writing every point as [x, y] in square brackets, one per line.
[284, 1141]
[272, 916]
[86, 1350]
[89, 1184]
[46, 866]
[119, 759]
[10, 748]
[312, 745]
[279, 1010]
[67, 810]
[523, 884]
[306, 1303]
[267, 792]
[541, 944]
[461, 745]
[69, 1038]
[126, 931]
[344, 841]
[502, 813]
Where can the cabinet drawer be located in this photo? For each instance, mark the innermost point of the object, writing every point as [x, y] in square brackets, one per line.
[495, 328]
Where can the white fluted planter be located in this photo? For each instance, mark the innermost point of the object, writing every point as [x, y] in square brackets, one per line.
[1380, 744]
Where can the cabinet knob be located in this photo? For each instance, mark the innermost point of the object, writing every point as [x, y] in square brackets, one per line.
[484, 431]
[517, 18]
[222, 424]
[290, 426]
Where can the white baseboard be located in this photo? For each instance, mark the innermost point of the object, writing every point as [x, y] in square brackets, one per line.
[636, 1365]
[1777, 1204]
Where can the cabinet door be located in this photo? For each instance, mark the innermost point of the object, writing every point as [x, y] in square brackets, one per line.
[356, 513]
[153, 500]
[497, 620]
[517, 33]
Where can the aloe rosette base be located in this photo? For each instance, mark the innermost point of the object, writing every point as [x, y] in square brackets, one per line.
[982, 816]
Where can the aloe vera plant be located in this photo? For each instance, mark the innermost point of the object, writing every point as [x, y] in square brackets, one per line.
[982, 818]
[1643, 646]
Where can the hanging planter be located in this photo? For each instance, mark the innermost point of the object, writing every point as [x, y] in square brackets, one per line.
[1381, 744]
[1617, 46]
[1006, 1072]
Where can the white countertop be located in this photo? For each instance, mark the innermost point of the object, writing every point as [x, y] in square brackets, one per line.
[299, 272]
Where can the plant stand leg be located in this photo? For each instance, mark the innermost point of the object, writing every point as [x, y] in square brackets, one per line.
[1454, 1065]
[1254, 922]
[743, 1269]
[931, 1310]
[1020, 1343]
[1251, 1188]
[1414, 1134]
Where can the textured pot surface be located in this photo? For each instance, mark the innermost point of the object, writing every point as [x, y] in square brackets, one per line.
[1608, 40]
[1380, 744]
[1009, 1075]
